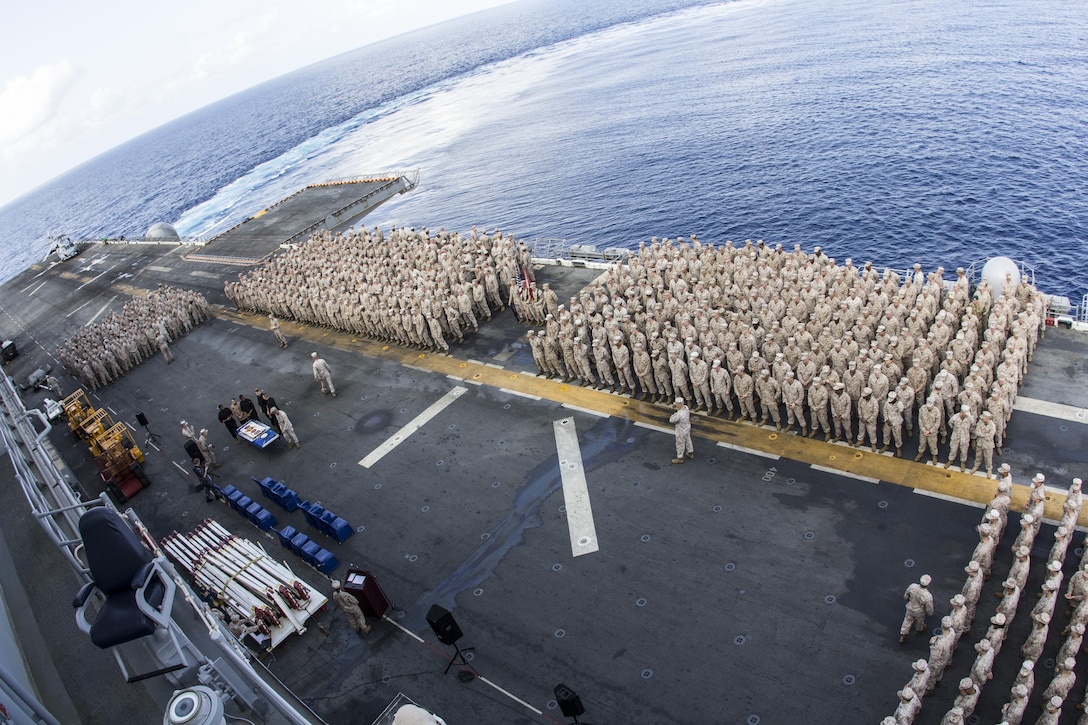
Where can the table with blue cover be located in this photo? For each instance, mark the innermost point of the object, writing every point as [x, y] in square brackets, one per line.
[258, 434]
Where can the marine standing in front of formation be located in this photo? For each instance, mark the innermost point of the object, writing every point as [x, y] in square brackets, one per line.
[274, 324]
[682, 420]
[919, 606]
[323, 375]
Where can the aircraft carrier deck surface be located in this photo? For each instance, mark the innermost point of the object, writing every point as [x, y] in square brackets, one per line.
[333, 205]
[761, 582]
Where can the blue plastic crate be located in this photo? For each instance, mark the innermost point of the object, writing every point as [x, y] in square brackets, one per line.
[289, 500]
[325, 522]
[313, 515]
[286, 534]
[298, 542]
[325, 561]
[252, 510]
[340, 530]
[264, 519]
[266, 482]
[309, 551]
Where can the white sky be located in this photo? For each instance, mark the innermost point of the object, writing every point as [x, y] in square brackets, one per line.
[78, 78]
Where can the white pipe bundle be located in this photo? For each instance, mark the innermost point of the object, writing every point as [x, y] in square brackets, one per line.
[243, 574]
[288, 585]
[210, 576]
[215, 534]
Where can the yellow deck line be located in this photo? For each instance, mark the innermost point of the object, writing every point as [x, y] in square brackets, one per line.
[862, 462]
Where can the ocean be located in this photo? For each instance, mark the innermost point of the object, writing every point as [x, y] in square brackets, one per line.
[897, 131]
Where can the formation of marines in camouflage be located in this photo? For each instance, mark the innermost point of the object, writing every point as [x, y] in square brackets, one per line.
[740, 329]
[100, 353]
[413, 287]
[750, 331]
[1043, 614]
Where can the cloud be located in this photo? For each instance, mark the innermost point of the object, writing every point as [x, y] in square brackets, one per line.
[30, 101]
[244, 45]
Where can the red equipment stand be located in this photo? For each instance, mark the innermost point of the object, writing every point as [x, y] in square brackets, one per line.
[365, 588]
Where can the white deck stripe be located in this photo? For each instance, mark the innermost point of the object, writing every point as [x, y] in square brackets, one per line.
[651, 426]
[416, 423]
[583, 534]
[751, 451]
[38, 287]
[99, 275]
[100, 311]
[516, 392]
[79, 308]
[35, 278]
[580, 409]
[953, 499]
[408, 632]
[1053, 410]
[481, 678]
[515, 698]
[838, 472]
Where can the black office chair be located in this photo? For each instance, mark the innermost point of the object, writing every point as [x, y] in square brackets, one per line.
[138, 594]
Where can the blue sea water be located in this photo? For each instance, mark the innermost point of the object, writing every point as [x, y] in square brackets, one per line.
[897, 131]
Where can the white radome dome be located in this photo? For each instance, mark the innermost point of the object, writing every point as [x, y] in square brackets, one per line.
[162, 230]
[994, 272]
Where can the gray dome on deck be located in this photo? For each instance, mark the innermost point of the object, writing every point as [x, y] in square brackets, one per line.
[162, 230]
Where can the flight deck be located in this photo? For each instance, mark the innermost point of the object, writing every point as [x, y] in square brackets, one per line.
[332, 205]
[760, 582]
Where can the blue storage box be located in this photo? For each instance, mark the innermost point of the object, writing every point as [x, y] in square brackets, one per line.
[309, 552]
[340, 530]
[288, 499]
[286, 534]
[298, 542]
[325, 561]
[264, 519]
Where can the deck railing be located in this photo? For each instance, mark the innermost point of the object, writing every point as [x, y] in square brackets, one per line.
[57, 504]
